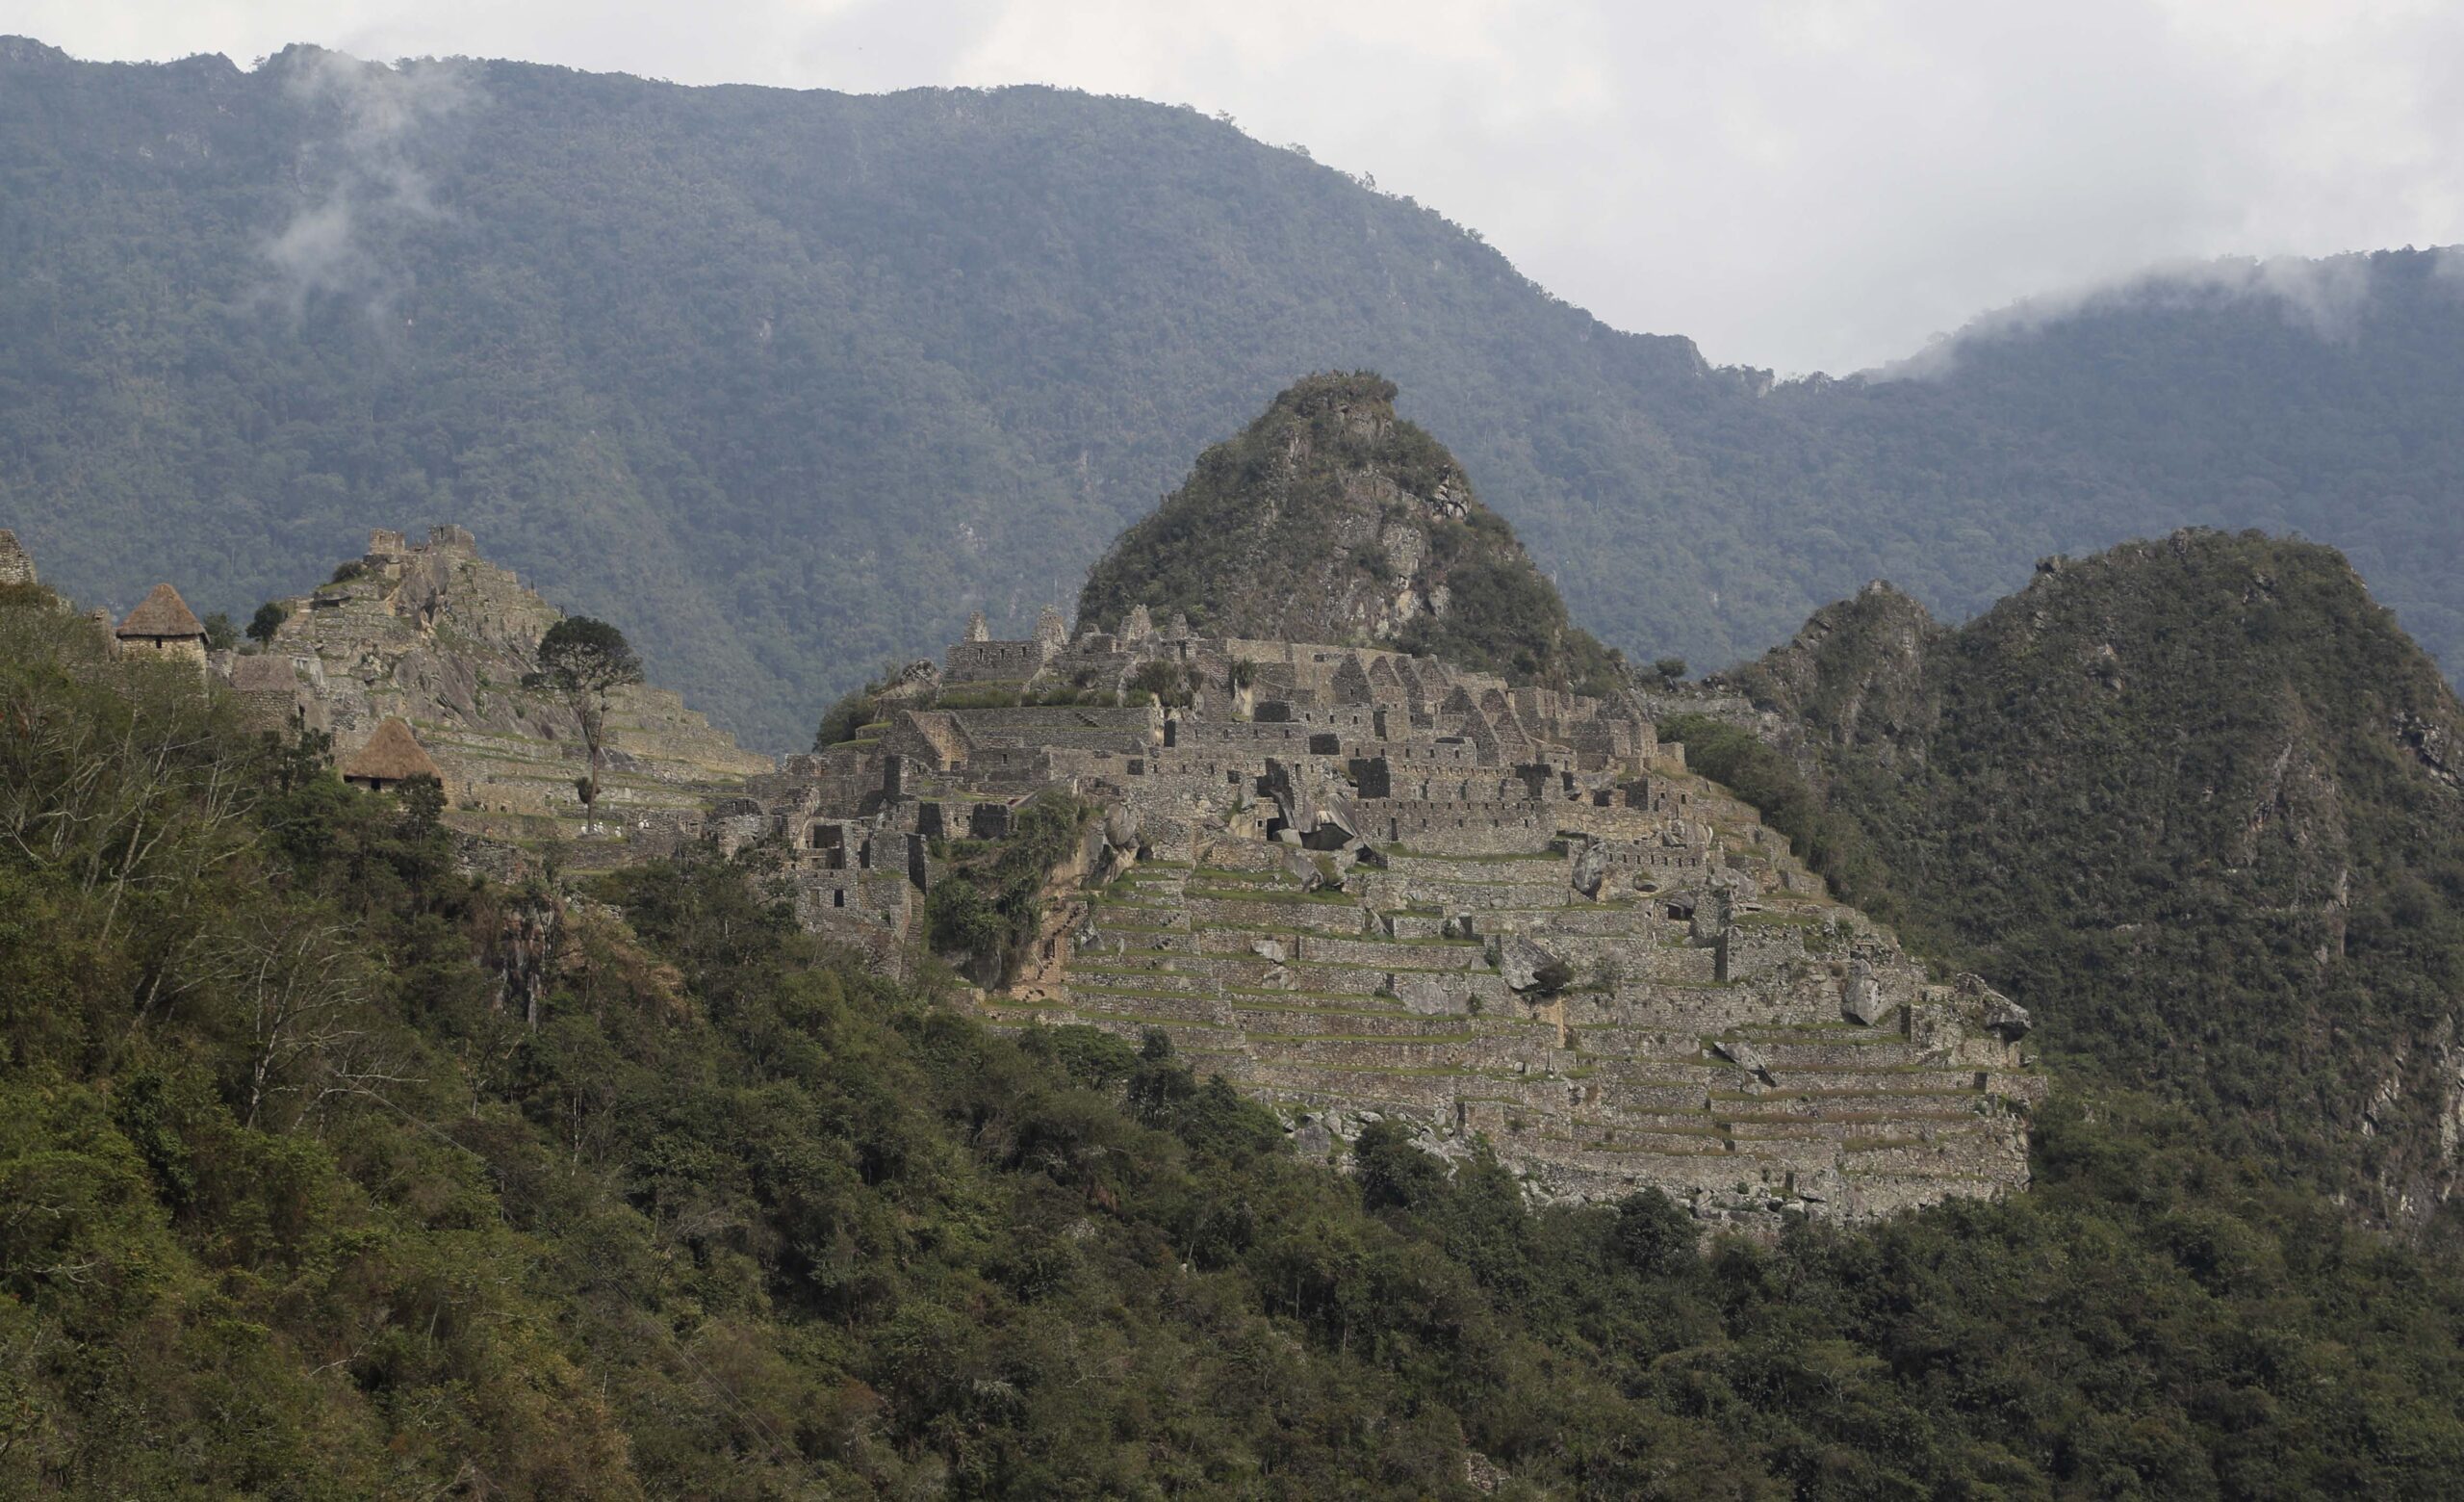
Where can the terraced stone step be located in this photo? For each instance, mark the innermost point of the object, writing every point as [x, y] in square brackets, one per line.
[1303, 915]
[1547, 869]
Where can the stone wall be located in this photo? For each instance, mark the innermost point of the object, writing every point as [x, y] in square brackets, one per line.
[16, 564]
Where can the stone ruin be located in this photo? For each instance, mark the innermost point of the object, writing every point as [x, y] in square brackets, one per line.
[1367, 885]
[431, 634]
[16, 564]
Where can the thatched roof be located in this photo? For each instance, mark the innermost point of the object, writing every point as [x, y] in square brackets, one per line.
[391, 754]
[264, 672]
[163, 613]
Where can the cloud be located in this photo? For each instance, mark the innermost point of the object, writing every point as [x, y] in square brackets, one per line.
[2327, 296]
[1796, 183]
[360, 166]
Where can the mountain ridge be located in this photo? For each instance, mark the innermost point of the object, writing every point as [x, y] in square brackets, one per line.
[2193, 799]
[792, 383]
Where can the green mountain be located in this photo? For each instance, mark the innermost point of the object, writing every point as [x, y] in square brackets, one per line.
[2200, 802]
[786, 384]
[1331, 519]
[327, 1170]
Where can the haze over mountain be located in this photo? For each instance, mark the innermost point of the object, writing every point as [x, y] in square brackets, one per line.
[788, 383]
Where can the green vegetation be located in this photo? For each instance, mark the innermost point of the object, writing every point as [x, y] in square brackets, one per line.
[786, 383]
[267, 620]
[1283, 533]
[2191, 802]
[847, 715]
[585, 660]
[1161, 682]
[333, 1171]
[989, 905]
[1829, 840]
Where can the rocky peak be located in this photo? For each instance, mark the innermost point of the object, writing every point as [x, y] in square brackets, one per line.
[1853, 675]
[1331, 518]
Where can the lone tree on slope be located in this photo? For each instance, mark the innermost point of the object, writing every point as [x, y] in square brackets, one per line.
[585, 661]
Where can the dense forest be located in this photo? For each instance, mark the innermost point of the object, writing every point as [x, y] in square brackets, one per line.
[785, 384]
[2197, 800]
[328, 1170]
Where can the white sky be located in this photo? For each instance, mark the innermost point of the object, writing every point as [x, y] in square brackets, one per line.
[1796, 183]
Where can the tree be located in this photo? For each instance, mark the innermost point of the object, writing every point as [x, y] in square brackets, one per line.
[1161, 681]
[221, 633]
[585, 661]
[1669, 669]
[266, 621]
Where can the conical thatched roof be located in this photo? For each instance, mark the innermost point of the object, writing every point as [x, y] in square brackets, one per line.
[163, 613]
[391, 754]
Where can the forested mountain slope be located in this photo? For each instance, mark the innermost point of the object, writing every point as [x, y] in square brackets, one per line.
[788, 383]
[2200, 802]
[331, 1172]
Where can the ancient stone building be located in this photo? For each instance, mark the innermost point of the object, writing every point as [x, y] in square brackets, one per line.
[16, 564]
[432, 634]
[1363, 884]
[162, 625]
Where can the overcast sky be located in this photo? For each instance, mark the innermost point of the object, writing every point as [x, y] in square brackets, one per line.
[1800, 185]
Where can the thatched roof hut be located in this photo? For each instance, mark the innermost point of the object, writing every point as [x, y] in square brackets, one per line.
[162, 616]
[393, 755]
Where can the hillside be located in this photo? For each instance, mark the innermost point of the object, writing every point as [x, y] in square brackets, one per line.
[2198, 802]
[788, 384]
[302, 1205]
[1330, 519]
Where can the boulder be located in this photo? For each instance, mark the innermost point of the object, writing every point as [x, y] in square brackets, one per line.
[1431, 994]
[2006, 1017]
[1745, 1056]
[1591, 868]
[1521, 962]
[1997, 1013]
[1120, 827]
[1268, 950]
[1861, 999]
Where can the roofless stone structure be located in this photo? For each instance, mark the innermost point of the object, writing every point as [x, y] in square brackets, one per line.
[16, 564]
[1363, 884]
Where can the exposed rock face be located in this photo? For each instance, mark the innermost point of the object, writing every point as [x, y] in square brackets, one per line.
[1853, 674]
[433, 635]
[1331, 519]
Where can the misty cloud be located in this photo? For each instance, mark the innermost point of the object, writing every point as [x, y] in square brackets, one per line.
[362, 174]
[1800, 184]
[2327, 296]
